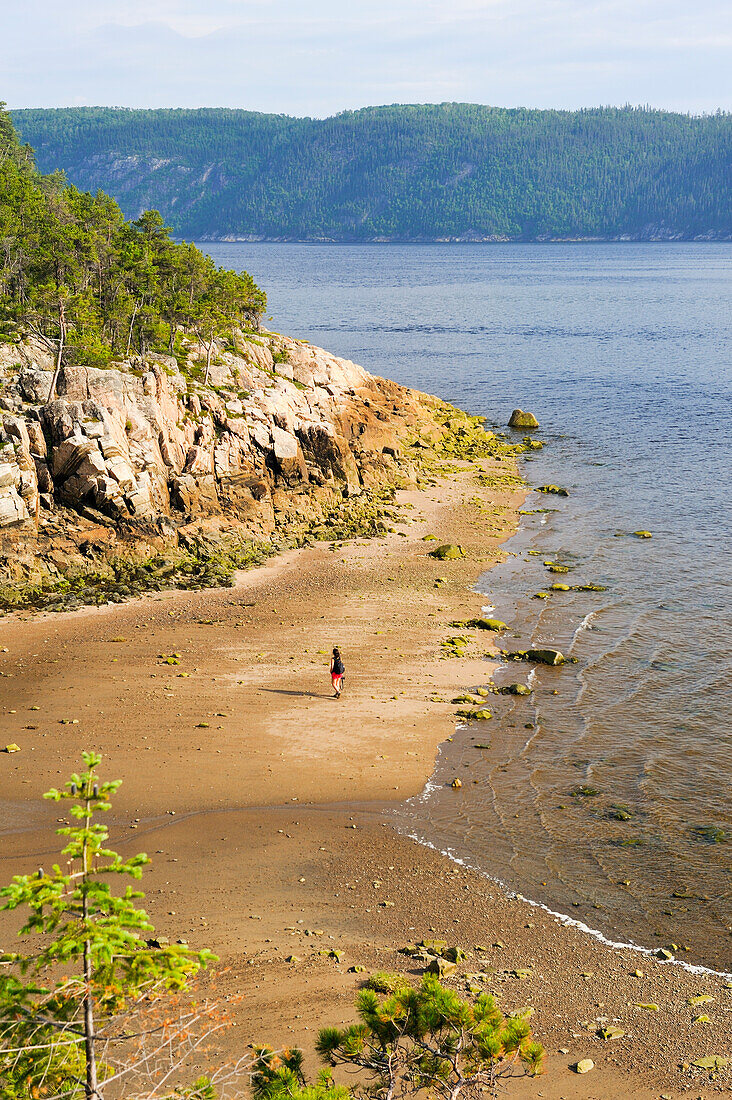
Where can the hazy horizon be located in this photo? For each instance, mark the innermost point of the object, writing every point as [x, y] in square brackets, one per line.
[272, 56]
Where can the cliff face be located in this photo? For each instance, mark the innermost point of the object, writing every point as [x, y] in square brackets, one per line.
[141, 455]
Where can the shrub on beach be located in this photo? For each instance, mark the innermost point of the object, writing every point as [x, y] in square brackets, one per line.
[407, 1041]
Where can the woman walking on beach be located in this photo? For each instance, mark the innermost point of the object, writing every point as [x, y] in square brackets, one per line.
[337, 669]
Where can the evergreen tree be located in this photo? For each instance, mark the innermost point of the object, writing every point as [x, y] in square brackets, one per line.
[410, 1041]
[64, 1006]
[92, 286]
[407, 172]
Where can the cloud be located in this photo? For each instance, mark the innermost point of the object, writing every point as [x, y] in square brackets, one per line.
[321, 56]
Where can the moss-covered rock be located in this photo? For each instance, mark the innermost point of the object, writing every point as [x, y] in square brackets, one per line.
[384, 981]
[545, 656]
[557, 490]
[455, 646]
[487, 624]
[474, 715]
[521, 419]
[642, 535]
[448, 552]
[712, 834]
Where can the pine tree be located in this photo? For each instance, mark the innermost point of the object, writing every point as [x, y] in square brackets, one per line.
[64, 1008]
[412, 1040]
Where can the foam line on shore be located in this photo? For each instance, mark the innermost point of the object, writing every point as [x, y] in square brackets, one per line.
[563, 918]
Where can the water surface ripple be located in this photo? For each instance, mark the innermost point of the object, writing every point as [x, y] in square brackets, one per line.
[624, 353]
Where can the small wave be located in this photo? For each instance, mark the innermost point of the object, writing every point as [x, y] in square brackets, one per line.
[583, 626]
[566, 920]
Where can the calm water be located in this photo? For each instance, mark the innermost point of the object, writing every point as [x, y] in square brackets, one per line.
[624, 352]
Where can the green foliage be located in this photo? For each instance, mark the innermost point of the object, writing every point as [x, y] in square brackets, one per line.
[279, 1074]
[408, 1041]
[279, 355]
[415, 172]
[71, 264]
[61, 1004]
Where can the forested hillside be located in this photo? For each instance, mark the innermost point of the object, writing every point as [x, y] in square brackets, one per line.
[402, 172]
[93, 286]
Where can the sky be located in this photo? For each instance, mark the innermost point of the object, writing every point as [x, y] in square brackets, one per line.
[318, 57]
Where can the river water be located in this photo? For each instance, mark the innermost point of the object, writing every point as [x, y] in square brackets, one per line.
[606, 793]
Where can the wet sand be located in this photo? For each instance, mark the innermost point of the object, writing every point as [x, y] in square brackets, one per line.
[243, 777]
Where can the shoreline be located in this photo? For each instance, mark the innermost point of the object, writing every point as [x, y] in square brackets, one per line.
[285, 750]
[701, 239]
[569, 921]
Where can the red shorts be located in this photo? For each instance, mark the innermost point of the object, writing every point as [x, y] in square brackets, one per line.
[335, 676]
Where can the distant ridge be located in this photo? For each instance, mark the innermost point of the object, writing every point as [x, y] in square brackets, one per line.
[402, 173]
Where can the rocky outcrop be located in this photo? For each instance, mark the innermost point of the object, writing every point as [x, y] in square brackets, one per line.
[146, 451]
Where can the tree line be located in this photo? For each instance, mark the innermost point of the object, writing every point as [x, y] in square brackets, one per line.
[94, 286]
[402, 172]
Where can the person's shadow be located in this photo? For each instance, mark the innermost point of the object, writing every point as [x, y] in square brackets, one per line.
[302, 694]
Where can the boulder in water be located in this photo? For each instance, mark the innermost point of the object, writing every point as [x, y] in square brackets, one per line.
[521, 419]
[557, 490]
[516, 689]
[545, 656]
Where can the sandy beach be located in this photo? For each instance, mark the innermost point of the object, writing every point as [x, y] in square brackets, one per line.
[264, 802]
